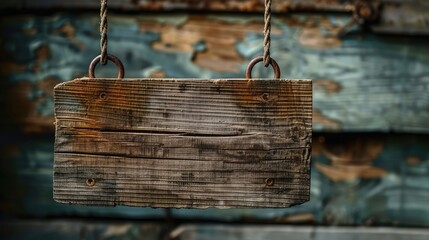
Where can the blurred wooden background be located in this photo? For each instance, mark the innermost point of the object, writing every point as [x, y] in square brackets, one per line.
[371, 107]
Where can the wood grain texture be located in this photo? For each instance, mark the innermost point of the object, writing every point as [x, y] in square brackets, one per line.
[183, 143]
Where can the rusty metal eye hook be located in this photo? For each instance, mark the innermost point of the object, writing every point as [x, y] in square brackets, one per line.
[256, 60]
[114, 59]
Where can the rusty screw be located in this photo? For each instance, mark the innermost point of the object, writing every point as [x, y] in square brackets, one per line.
[103, 95]
[365, 12]
[90, 182]
[269, 182]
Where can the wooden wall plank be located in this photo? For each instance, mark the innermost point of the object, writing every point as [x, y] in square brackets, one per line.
[394, 16]
[200, 232]
[408, 17]
[182, 143]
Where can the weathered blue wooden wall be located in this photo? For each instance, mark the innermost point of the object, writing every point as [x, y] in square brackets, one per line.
[371, 148]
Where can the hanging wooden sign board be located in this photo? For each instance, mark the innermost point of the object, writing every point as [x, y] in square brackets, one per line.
[183, 143]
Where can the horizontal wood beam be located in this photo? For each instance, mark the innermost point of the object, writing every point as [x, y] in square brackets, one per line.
[199, 5]
[194, 232]
[394, 17]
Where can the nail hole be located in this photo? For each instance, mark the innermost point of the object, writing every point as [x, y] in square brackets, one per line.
[90, 182]
[103, 95]
[269, 182]
[265, 96]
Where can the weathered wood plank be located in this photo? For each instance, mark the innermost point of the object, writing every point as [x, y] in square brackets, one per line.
[205, 232]
[183, 143]
[403, 17]
[395, 16]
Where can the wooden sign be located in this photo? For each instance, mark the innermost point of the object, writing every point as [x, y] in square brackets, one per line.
[183, 143]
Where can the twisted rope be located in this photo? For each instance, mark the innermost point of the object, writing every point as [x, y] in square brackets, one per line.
[267, 33]
[103, 31]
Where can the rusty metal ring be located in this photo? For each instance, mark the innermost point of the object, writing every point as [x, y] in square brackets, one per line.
[114, 59]
[256, 60]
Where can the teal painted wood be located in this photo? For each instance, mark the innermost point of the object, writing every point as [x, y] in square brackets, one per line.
[362, 82]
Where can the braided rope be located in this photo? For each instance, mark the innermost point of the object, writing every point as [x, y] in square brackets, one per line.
[267, 33]
[103, 31]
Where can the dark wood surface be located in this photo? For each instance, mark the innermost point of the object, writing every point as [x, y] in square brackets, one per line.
[402, 17]
[183, 143]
